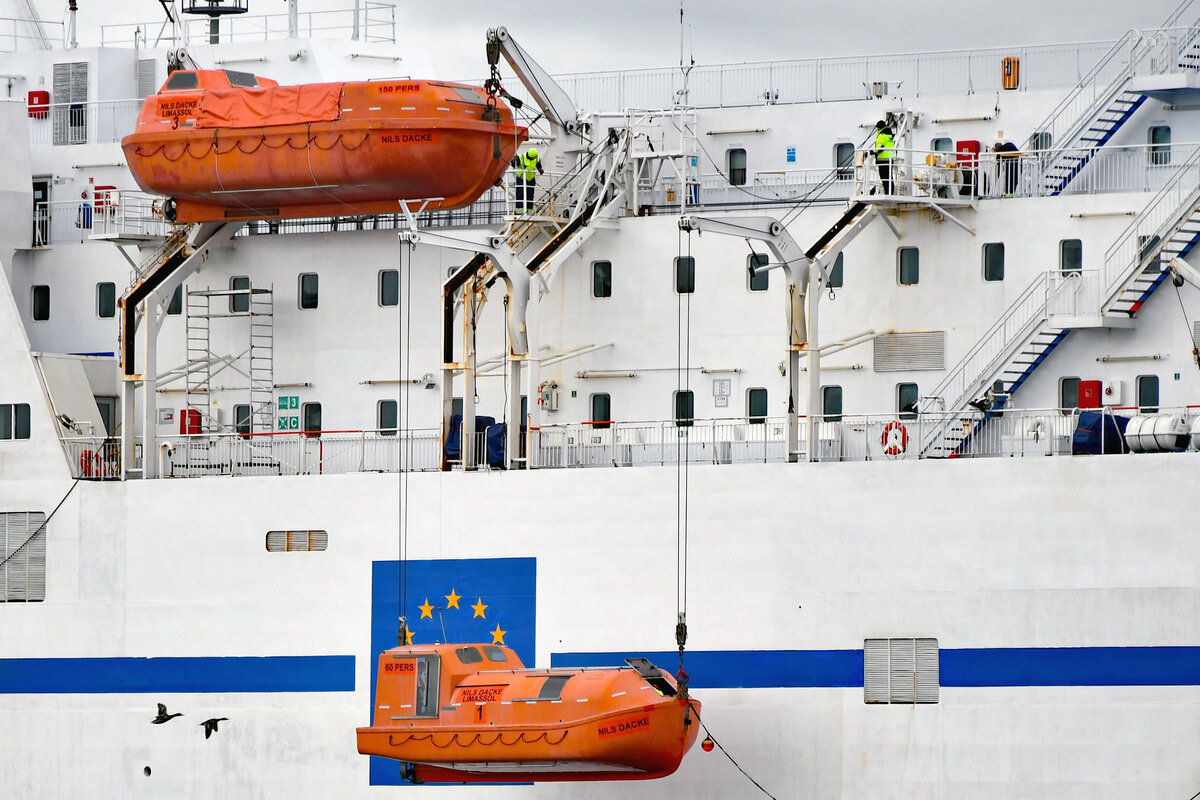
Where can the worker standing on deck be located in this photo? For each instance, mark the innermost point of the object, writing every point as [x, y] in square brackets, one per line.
[1007, 155]
[885, 145]
[528, 167]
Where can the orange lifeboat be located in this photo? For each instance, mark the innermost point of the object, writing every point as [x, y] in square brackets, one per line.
[225, 145]
[473, 713]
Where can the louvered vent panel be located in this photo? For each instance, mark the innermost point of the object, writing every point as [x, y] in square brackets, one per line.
[23, 577]
[147, 77]
[902, 670]
[1196, 331]
[296, 541]
[70, 87]
[928, 676]
[901, 352]
[875, 671]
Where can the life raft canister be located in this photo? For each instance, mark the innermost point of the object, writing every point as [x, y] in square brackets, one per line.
[895, 438]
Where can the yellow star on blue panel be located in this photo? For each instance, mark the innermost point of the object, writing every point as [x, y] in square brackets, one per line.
[498, 635]
[452, 599]
[410, 635]
[426, 610]
[479, 609]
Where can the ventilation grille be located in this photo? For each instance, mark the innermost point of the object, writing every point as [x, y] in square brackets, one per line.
[900, 671]
[1196, 331]
[147, 74]
[296, 541]
[23, 553]
[902, 352]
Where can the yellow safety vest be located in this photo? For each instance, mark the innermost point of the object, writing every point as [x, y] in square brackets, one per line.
[529, 166]
[883, 146]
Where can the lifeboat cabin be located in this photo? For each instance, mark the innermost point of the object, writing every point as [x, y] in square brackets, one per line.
[473, 713]
[226, 145]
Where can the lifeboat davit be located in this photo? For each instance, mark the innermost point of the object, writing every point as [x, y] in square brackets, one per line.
[225, 145]
[473, 713]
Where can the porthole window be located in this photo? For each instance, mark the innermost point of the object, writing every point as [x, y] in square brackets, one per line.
[906, 400]
[1147, 394]
[908, 265]
[106, 300]
[843, 160]
[685, 408]
[41, 303]
[756, 406]
[1159, 138]
[601, 279]
[831, 403]
[389, 287]
[735, 159]
[387, 415]
[993, 261]
[239, 303]
[685, 274]
[308, 290]
[760, 279]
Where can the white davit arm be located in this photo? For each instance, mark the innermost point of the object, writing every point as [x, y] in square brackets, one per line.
[1182, 271]
[555, 104]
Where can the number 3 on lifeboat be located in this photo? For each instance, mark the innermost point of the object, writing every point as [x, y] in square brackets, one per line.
[895, 438]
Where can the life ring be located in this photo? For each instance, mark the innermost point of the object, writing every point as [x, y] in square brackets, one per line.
[895, 438]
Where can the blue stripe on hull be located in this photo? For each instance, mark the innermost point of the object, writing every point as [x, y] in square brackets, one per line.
[158, 675]
[1017, 666]
[1071, 666]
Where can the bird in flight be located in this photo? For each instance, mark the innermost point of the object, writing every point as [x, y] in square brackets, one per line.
[210, 725]
[163, 716]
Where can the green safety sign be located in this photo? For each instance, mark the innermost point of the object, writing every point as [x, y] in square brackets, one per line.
[290, 402]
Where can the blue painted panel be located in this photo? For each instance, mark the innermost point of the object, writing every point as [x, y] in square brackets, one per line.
[1071, 666]
[507, 586]
[181, 675]
[726, 669]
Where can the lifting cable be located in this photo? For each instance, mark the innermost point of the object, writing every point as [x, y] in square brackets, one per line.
[1191, 330]
[404, 359]
[683, 395]
[41, 527]
[725, 753]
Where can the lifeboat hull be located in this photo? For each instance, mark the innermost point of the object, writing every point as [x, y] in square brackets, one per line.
[472, 713]
[638, 744]
[358, 150]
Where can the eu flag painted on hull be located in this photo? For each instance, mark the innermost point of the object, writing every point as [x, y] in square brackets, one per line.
[489, 600]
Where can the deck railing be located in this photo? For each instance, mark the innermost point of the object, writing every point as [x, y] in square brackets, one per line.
[844, 437]
[371, 21]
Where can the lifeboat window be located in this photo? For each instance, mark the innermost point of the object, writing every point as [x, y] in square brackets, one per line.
[552, 688]
[494, 653]
[469, 655]
[246, 79]
[467, 95]
[182, 80]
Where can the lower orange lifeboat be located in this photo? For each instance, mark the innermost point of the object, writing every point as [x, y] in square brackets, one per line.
[473, 713]
[225, 145]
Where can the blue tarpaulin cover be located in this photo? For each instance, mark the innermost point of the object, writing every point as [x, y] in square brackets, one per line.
[495, 439]
[1088, 438]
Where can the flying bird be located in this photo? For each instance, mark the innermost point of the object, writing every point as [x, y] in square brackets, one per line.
[163, 716]
[210, 725]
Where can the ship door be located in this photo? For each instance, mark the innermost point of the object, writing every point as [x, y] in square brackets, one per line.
[412, 684]
[41, 212]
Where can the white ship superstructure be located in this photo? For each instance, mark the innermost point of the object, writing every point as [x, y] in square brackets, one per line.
[861, 403]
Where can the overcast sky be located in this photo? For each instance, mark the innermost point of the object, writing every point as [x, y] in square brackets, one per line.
[570, 36]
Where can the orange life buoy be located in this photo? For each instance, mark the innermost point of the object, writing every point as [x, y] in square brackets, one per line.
[895, 438]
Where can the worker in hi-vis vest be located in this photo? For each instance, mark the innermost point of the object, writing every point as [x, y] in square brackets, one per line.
[528, 167]
[884, 148]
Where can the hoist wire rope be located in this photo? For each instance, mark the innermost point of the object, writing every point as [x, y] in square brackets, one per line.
[41, 527]
[683, 401]
[404, 359]
[733, 761]
[1191, 330]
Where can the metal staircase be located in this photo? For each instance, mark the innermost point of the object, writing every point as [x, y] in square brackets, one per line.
[1167, 227]
[1029, 331]
[1104, 100]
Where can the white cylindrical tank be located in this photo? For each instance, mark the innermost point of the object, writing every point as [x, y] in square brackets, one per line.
[1196, 434]
[1157, 433]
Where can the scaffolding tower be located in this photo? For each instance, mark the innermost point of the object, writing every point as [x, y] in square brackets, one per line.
[255, 364]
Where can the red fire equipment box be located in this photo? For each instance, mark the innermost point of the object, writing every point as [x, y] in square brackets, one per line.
[39, 104]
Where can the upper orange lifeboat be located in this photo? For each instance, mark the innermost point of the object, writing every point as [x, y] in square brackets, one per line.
[227, 145]
[474, 713]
